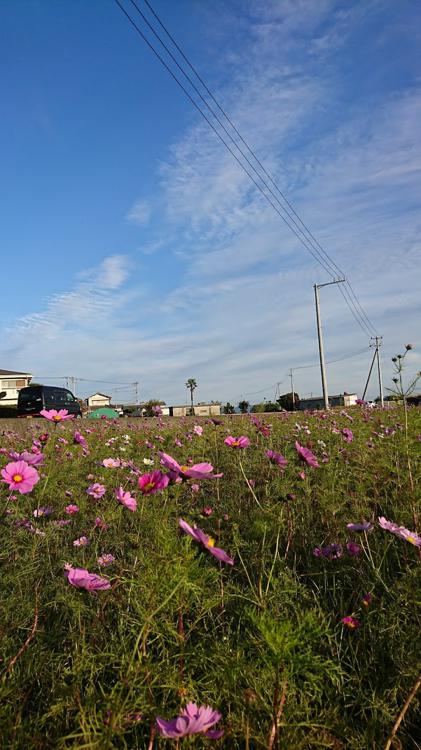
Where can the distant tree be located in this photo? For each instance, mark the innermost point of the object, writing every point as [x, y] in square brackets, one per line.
[264, 406]
[191, 385]
[228, 408]
[288, 401]
[269, 406]
[243, 407]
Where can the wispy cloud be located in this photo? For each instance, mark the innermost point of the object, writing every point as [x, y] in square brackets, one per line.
[140, 213]
[233, 307]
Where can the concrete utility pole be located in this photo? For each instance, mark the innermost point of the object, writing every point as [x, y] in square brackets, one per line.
[378, 340]
[292, 390]
[320, 338]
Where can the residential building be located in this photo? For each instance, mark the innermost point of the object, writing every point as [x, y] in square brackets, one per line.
[11, 381]
[317, 402]
[98, 400]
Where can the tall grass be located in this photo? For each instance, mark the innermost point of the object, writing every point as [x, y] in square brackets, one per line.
[261, 641]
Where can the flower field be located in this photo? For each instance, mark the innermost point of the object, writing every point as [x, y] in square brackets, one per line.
[239, 583]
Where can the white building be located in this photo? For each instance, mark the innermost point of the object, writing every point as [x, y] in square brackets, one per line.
[97, 400]
[11, 382]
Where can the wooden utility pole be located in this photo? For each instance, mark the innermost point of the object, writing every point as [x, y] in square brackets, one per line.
[320, 339]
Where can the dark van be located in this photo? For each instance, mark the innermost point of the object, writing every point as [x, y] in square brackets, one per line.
[33, 399]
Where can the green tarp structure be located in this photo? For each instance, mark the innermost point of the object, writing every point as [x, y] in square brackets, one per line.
[104, 411]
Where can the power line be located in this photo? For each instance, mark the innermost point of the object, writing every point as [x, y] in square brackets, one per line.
[300, 229]
[172, 74]
[332, 361]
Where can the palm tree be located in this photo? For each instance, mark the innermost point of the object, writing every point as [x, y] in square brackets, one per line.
[191, 385]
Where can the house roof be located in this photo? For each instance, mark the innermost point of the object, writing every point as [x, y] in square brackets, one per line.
[13, 372]
[104, 395]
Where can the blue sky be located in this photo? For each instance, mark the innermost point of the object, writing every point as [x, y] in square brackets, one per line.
[134, 248]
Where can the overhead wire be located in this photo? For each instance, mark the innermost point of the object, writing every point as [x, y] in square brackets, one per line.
[167, 67]
[300, 229]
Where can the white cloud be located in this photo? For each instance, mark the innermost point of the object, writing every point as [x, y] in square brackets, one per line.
[140, 213]
[240, 312]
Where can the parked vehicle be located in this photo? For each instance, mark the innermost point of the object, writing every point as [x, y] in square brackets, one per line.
[33, 399]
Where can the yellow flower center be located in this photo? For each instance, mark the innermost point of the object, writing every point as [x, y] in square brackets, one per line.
[210, 542]
[184, 469]
[149, 486]
[57, 418]
[17, 478]
[411, 539]
[236, 442]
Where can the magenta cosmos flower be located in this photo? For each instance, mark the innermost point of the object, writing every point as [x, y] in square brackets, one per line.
[197, 471]
[153, 482]
[277, 458]
[365, 526]
[20, 476]
[83, 579]
[347, 434]
[240, 442]
[126, 499]
[193, 720]
[96, 490]
[306, 455]
[351, 622]
[56, 416]
[78, 438]
[72, 509]
[207, 542]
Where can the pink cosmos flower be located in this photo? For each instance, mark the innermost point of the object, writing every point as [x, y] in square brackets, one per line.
[207, 541]
[351, 622]
[347, 434]
[100, 524]
[306, 455]
[277, 458]
[72, 509]
[197, 471]
[96, 490]
[193, 720]
[153, 482]
[126, 499]
[20, 476]
[33, 459]
[409, 536]
[240, 442]
[83, 541]
[105, 560]
[83, 579]
[56, 416]
[207, 511]
[198, 430]
[111, 463]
